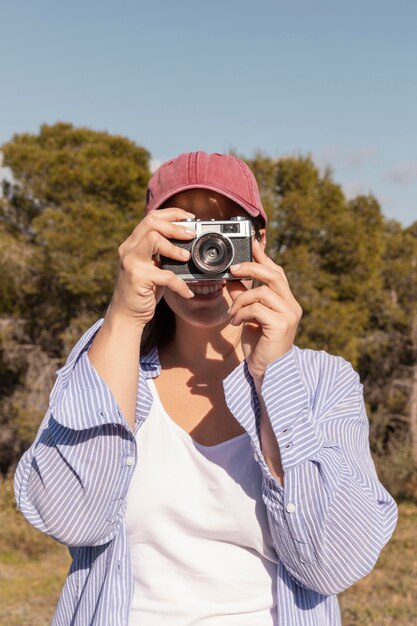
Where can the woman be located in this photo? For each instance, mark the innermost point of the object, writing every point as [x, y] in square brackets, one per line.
[201, 468]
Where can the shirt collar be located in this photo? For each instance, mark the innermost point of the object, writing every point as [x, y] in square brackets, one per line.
[149, 363]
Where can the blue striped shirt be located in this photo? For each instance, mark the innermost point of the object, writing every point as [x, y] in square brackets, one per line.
[328, 523]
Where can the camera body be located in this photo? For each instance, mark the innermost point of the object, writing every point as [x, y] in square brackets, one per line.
[218, 244]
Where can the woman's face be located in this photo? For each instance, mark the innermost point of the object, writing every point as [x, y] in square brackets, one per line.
[212, 300]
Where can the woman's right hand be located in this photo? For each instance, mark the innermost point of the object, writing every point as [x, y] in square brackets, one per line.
[141, 282]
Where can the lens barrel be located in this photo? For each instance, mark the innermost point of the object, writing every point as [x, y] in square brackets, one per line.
[212, 253]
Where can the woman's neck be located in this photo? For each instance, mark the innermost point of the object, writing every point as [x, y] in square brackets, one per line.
[200, 348]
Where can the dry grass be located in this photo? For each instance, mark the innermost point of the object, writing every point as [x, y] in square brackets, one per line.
[30, 588]
[33, 569]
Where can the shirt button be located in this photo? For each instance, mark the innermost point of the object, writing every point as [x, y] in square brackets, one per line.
[130, 461]
[291, 507]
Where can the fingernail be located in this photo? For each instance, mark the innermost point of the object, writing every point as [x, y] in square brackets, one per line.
[235, 267]
[190, 294]
[189, 231]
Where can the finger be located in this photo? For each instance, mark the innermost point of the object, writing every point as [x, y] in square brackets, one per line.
[278, 323]
[172, 214]
[169, 280]
[256, 312]
[259, 256]
[147, 249]
[163, 222]
[264, 296]
[270, 275]
[166, 248]
[168, 228]
[235, 288]
[158, 236]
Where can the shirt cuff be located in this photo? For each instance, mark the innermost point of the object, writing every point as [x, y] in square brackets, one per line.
[288, 408]
[289, 411]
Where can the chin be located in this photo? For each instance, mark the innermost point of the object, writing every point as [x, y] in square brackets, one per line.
[203, 311]
[206, 319]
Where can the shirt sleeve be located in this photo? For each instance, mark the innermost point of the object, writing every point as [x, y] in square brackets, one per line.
[331, 518]
[72, 482]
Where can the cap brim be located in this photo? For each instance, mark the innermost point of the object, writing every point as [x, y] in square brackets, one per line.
[253, 212]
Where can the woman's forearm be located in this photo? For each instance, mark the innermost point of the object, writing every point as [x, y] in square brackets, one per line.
[114, 354]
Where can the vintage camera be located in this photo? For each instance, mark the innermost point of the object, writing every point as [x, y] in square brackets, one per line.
[218, 244]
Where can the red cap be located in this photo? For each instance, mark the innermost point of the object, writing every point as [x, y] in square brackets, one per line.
[223, 173]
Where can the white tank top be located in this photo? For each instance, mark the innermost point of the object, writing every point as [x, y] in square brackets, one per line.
[201, 549]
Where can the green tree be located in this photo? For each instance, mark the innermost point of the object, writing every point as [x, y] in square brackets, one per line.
[388, 361]
[74, 197]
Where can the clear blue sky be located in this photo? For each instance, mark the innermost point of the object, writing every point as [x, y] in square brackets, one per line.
[336, 80]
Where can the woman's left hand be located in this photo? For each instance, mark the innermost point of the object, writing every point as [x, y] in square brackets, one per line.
[269, 313]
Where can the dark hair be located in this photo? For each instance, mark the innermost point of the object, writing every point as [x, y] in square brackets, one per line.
[161, 329]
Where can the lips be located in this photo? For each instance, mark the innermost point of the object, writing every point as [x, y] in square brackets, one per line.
[206, 288]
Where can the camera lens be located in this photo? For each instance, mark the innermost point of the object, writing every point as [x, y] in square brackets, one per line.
[212, 253]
